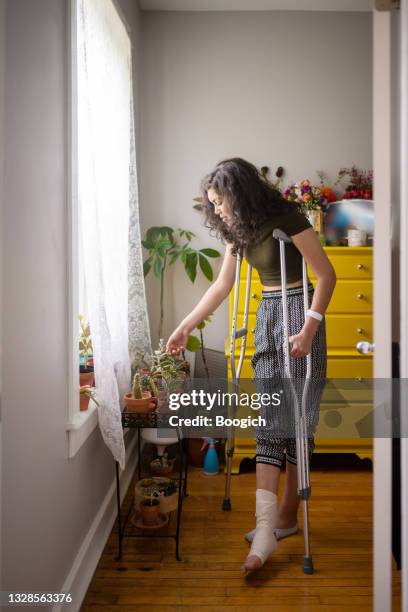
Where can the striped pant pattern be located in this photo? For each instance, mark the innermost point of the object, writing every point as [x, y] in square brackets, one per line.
[278, 437]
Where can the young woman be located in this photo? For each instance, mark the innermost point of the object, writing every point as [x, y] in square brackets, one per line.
[244, 209]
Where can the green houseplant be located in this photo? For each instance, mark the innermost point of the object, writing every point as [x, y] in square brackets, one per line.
[86, 370]
[86, 393]
[167, 369]
[165, 247]
[139, 399]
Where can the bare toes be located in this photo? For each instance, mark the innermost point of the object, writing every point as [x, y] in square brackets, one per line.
[252, 563]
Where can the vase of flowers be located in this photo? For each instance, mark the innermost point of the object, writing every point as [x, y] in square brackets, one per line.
[315, 218]
[311, 200]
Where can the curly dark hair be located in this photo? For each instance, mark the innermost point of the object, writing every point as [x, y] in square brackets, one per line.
[252, 199]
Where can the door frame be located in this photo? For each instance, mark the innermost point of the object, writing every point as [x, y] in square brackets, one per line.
[382, 150]
[403, 154]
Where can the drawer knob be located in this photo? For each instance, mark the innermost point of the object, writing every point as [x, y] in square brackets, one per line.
[360, 296]
[360, 266]
[253, 295]
[359, 378]
[360, 330]
[253, 330]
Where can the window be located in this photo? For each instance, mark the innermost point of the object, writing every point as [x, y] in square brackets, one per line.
[102, 174]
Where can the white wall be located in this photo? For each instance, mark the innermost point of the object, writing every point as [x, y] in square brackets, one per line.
[277, 88]
[49, 502]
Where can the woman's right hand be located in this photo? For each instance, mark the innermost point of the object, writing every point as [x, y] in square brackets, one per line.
[177, 341]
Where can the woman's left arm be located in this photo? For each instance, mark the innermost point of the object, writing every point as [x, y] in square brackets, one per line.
[309, 245]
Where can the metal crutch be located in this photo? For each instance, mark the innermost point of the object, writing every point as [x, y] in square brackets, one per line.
[304, 488]
[242, 332]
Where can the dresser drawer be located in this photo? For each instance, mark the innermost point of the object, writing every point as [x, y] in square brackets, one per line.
[342, 390]
[346, 330]
[348, 297]
[350, 367]
[342, 331]
[350, 264]
[337, 367]
[352, 297]
[347, 391]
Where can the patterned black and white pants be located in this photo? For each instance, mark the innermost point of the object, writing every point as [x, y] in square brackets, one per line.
[278, 437]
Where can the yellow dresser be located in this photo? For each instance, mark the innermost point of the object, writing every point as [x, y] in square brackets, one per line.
[345, 410]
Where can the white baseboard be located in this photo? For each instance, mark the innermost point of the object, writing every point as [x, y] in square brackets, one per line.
[90, 552]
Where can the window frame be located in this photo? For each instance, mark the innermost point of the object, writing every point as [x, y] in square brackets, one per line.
[80, 424]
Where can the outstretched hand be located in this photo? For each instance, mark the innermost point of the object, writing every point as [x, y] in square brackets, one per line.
[177, 342]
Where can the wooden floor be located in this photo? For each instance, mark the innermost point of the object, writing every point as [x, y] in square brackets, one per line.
[148, 577]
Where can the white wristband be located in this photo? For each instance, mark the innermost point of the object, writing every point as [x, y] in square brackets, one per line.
[314, 314]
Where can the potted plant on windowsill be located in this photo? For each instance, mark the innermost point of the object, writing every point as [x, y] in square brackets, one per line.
[86, 369]
[139, 400]
[85, 394]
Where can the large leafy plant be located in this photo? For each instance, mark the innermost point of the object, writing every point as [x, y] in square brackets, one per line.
[165, 246]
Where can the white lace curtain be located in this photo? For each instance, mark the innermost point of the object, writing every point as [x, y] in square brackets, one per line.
[108, 210]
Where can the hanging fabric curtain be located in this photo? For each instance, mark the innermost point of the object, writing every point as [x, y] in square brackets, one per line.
[108, 210]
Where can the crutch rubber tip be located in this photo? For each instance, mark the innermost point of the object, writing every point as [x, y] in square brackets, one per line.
[307, 565]
[226, 504]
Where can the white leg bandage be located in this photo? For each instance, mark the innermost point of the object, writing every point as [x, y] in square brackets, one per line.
[279, 533]
[264, 542]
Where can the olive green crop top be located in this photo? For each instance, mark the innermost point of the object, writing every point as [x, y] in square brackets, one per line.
[264, 255]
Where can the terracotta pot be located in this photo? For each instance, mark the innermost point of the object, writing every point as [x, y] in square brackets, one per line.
[145, 404]
[144, 486]
[150, 510]
[83, 402]
[86, 378]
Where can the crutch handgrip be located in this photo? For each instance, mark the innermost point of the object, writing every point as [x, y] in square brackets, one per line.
[241, 332]
[280, 235]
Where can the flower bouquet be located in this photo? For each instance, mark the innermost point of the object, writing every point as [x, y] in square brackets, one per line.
[311, 200]
[308, 196]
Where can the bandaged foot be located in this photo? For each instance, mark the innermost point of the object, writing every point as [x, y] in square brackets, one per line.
[280, 533]
[264, 541]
